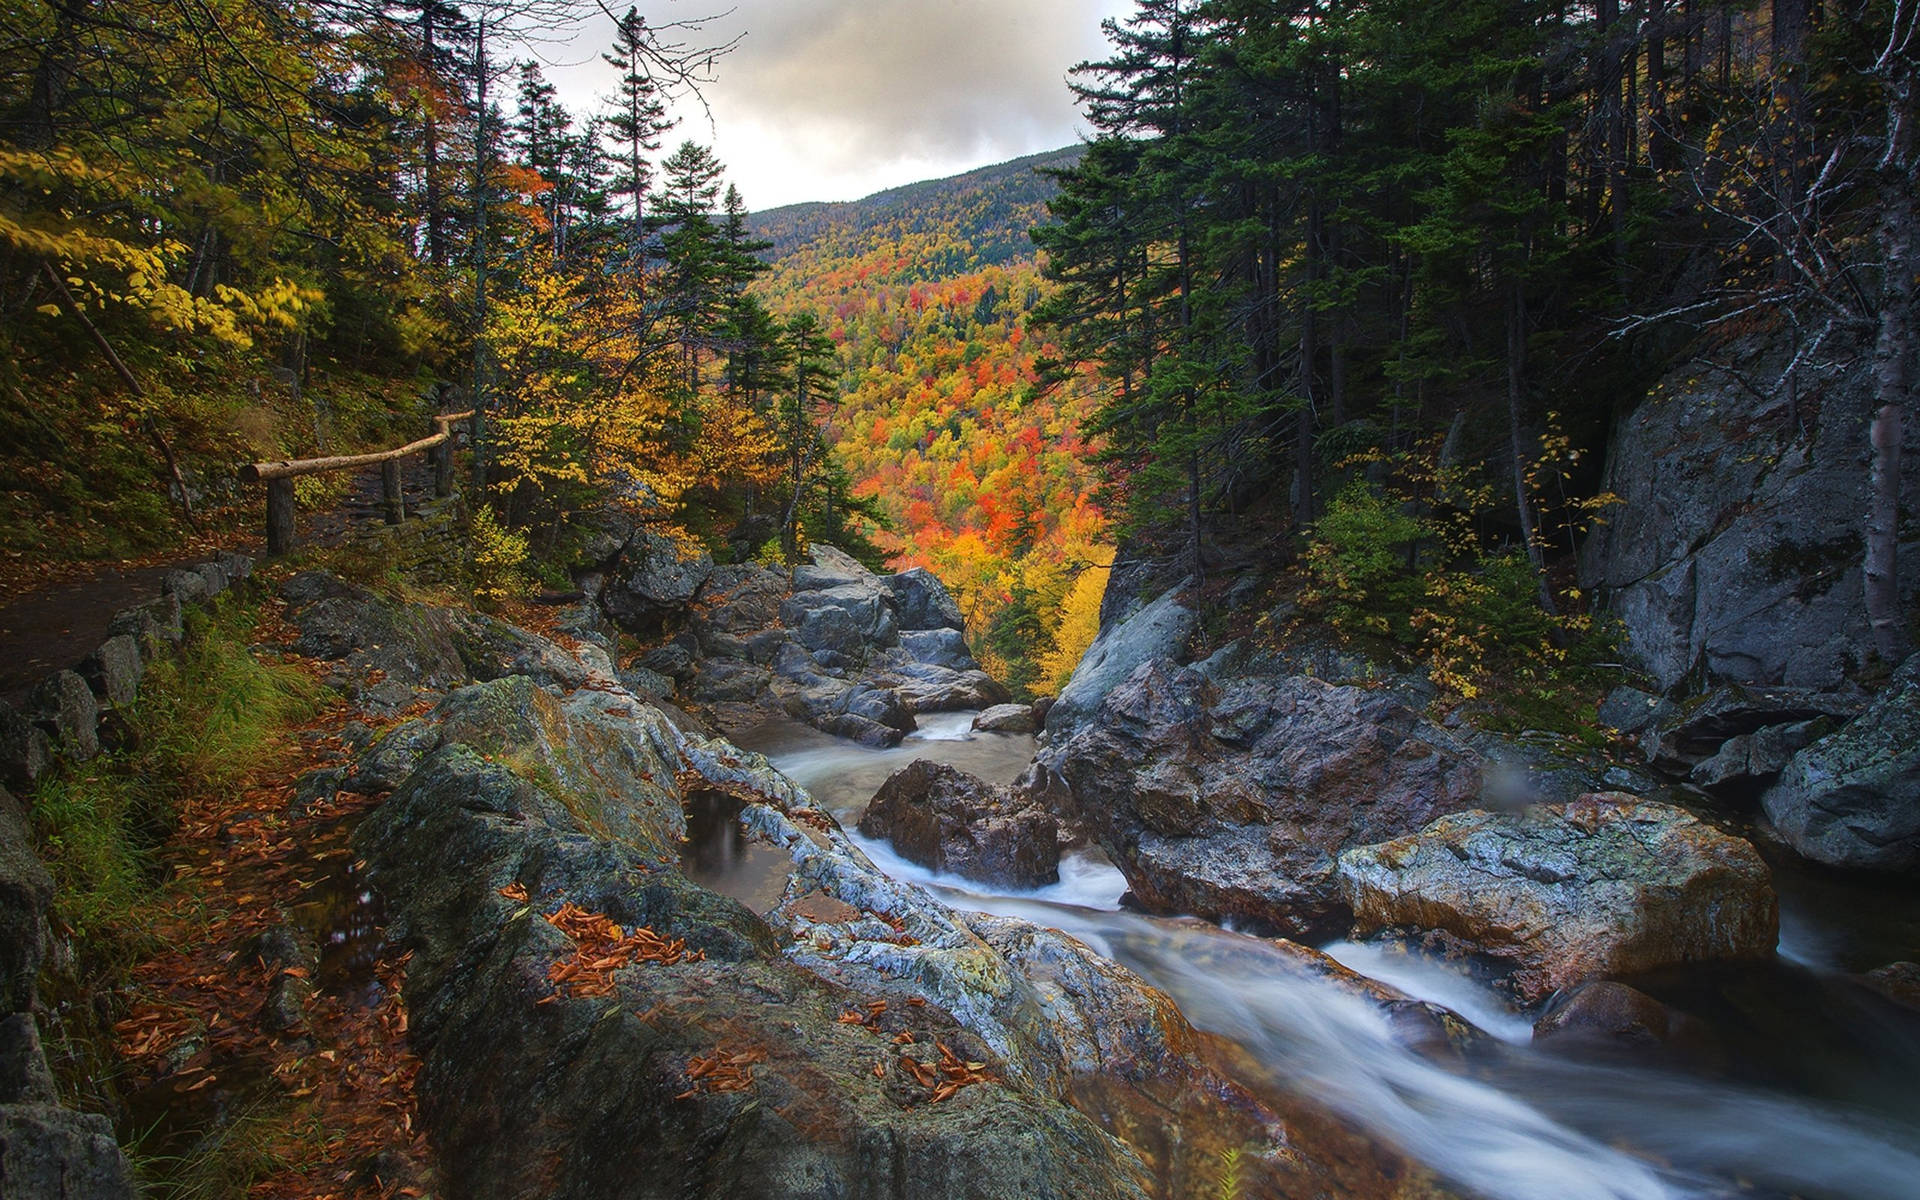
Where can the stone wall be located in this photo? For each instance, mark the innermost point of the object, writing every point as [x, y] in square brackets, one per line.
[48, 1152]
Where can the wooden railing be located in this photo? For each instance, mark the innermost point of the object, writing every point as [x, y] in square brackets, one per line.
[279, 477]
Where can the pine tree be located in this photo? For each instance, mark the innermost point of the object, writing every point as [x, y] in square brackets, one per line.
[634, 125]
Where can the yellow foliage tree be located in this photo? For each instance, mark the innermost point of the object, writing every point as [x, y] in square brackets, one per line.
[1079, 623]
[590, 410]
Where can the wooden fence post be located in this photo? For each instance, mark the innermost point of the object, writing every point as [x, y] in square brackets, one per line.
[390, 491]
[279, 477]
[279, 516]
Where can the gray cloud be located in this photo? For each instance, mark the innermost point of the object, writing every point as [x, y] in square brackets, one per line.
[829, 99]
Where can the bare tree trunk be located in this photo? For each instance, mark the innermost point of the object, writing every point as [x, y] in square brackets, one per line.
[1892, 391]
[481, 433]
[430, 137]
[1516, 375]
[120, 368]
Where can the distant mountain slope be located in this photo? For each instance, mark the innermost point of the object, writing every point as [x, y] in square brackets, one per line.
[926, 291]
[947, 226]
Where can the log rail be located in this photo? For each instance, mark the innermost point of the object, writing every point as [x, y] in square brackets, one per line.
[279, 477]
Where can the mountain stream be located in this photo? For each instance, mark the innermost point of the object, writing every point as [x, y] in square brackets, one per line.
[1812, 1089]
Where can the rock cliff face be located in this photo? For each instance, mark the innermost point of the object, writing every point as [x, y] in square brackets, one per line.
[1735, 553]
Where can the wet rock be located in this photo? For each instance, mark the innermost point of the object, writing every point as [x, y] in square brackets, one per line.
[926, 688]
[1536, 767]
[280, 946]
[64, 707]
[316, 790]
[492, 649]
[1607, 885]
[1039, 786]
[923, 601]
[392, 756]
[741, 600]
[284, 1010]
[859, 729]
[1899, 982]
[673, 660]
[847, 618]
[1006, 718]
[1231, 802]
[1852, 799]
[1756, 758]
[644, 681]
[113, 671]
[49, 1153]
[1157, 632]
[653, 583]
[883, 706]
[1601, 1013]
[26, 892]
[25, 753]
[726, 681]
[947, 820]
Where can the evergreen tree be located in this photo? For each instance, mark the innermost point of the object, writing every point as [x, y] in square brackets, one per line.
[635, 123]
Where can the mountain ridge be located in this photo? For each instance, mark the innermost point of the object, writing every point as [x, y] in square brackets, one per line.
[988, 209]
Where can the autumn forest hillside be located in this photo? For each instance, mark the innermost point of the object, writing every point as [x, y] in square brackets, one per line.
[980, 475]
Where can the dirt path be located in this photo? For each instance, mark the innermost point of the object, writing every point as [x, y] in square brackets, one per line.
[52, 616]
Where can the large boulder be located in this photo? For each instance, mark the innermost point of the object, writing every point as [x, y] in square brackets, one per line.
[928, 688]
[923, 601]
[1158, 632]
[941, 647]
[947, 820]
[1607, 885]
[653, 583]
[1735, 550]
[1852, 799]
[847, 619]
[1230, 801]
[1006, 718]
[831, 567]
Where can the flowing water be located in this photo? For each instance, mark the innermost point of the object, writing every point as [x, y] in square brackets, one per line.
[1811, 1088]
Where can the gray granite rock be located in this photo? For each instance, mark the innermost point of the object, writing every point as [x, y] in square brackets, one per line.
[63, 706]
[1852, 799]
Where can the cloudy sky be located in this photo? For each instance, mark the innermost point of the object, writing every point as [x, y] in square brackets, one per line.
[836, 99]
